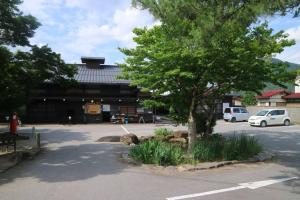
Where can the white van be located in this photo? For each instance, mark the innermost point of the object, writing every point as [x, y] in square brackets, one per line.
[270, 117]
[234, 114]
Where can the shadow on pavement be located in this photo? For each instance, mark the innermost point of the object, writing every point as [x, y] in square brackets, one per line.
[286, 147]
[69, 163]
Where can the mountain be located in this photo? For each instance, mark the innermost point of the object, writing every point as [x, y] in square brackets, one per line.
[290, 87]
[292, 66]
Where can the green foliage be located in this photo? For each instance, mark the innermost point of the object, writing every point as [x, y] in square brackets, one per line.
[218, 148]
[241, 148]
[209, 149]
[249, 99]
[220, 44]
[215, 147]
[22, 71]
[15, 28]
[201, 123]
[156, 152]
[162, 132]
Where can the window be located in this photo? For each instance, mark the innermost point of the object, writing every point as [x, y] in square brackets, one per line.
[236, 110]
[280, 112]
[243, 110]
[227, 110]
[128, 110]
[273, 112]
[262, 113]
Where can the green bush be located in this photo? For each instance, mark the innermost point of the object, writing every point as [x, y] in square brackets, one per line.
[157, 152]
[217, 147]
[241, 148]
[162, 132]
[209, 149]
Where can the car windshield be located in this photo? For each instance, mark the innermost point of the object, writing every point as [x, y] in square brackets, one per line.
[262, 113]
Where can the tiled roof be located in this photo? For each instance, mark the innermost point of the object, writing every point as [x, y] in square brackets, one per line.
[105, 74]
[292, 96]
[268, 94]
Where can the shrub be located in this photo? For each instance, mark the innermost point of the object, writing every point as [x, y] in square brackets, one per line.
[241, 147]
[209, 149]
[162, 132]
[217, 147]
[157, 152]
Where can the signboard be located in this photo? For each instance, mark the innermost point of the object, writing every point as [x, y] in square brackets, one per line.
[140, 110]
[92, 108]
[106, 108]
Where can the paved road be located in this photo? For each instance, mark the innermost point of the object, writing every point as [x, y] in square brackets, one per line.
[76, 167]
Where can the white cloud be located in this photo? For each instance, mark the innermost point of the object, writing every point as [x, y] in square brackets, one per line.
[294, 33]
[89, 35]
[292, 54]
[86, 27]
[96, 5]
[42, 9]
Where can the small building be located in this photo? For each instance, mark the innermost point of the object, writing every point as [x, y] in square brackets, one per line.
[97, 96]
[292, 100]
[229, 100]
[272, 98]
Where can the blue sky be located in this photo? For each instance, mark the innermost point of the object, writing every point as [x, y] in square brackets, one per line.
[76, 28]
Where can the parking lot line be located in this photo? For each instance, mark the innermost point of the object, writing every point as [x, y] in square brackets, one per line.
[125, 129]
[250, 185]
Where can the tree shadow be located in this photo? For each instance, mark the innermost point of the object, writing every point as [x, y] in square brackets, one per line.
[49, 136]
[70, 163]
[286, 148]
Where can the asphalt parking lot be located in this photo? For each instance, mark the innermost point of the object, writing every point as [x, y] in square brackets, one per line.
[74, 166]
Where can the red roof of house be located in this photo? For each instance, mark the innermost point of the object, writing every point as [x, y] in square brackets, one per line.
[270, 93]
[292, 96]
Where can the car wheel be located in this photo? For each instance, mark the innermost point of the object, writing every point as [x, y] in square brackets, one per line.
[263, 124]
[287, 122]
[233, 119]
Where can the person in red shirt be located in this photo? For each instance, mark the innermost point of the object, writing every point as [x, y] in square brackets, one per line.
[14, 122]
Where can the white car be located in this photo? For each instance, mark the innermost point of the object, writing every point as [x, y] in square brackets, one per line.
[234, 114]
[270, 117]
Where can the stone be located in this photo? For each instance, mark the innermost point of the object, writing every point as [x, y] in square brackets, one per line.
[181, 134]
[263, 156]
[168, 137]
[114, 138]
[160, 138]
[129, 139]
[145, 138]
[178, 140]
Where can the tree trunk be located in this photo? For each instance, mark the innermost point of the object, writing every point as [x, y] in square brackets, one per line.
[192, 126]
[209, 124]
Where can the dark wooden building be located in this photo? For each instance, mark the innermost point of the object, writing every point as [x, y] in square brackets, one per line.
[98, 95]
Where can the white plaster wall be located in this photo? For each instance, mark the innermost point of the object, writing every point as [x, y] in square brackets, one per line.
[297, 88]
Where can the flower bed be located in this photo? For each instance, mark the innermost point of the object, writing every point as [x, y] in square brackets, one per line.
[214, 148]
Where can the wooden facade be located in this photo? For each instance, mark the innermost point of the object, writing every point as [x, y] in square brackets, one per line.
[97, 88]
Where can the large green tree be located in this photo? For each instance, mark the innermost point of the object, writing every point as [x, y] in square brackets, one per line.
[205, 49]
[22, 71]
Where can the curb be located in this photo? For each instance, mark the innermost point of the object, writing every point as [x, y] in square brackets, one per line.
[19, 157]
[125, 158]
[262, 157]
